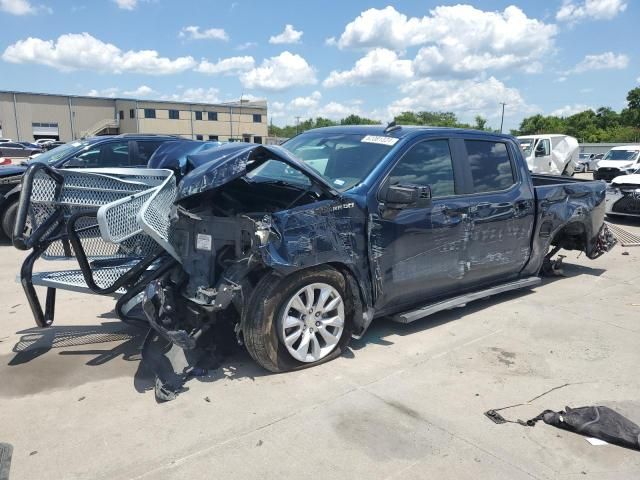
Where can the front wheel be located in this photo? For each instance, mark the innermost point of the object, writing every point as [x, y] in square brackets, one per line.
[9, 219]
[298, 321]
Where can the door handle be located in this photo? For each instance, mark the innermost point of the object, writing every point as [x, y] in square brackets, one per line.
[453, 212]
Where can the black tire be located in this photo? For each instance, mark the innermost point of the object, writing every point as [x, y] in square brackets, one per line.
[266, 304]
[9, 219]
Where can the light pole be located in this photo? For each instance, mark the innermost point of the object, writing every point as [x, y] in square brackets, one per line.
[502, 118]
[297, 123]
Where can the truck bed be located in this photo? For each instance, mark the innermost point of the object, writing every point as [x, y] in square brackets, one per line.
[569, 214]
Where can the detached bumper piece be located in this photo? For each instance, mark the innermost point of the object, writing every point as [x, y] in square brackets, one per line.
[100, 218]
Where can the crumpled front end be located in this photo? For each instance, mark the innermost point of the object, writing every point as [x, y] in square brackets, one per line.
[229, 229]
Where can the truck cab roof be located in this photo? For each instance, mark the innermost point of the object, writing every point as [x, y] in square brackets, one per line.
[399, 131]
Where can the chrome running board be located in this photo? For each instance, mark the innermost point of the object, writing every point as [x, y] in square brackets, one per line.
[462, 300]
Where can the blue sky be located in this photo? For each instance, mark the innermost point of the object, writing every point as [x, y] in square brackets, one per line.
[331, 58]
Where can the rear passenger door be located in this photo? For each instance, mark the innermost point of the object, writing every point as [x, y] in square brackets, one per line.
[501, 212]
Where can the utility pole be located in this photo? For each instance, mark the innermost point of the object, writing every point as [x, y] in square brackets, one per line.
[240, 117]
[297, 123]
[502, 118]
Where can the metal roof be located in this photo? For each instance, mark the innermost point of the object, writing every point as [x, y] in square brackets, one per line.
[234, 103]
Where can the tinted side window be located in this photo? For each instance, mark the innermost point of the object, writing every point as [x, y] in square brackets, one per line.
[145, 150]
[427, 163]
[115, 154]
[490, 165]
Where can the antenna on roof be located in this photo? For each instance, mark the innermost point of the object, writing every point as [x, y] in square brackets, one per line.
[391, 127]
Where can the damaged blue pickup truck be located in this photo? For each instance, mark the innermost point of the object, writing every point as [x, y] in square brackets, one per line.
[299, 248]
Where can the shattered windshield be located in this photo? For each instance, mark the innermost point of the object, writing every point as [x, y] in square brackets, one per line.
[621, 155]
[342, 159]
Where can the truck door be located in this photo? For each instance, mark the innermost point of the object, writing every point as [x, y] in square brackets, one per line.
[501, 212]
[417, 251]
[542, 157]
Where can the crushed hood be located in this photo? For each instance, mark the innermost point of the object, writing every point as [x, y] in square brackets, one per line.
[216, 167]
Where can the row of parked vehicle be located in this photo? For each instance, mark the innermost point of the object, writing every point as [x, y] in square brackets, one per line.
[558, 155]
[15, 150]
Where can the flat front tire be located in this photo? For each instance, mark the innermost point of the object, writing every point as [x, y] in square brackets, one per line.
[298, 321]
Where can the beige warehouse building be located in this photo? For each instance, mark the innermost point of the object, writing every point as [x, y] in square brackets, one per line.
[29, 116]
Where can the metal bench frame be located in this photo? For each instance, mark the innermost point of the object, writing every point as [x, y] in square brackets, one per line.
[107, 223]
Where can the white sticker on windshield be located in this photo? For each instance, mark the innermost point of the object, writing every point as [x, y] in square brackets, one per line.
[76, 144]
[338, 182]
[381, 140]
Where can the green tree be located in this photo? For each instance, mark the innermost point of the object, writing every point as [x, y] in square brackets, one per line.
[358, 120]
[481, 123]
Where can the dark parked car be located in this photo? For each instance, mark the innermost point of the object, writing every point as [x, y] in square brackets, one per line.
[18, 149]
[106, 151]
[296, 256]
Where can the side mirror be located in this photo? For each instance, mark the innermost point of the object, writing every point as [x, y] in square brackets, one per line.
[540, 152]
[402, 196]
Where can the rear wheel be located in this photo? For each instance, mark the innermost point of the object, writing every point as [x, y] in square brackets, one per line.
[298, 321]
[9, 219]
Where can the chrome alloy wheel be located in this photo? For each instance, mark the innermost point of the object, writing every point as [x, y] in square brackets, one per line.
[312, 322]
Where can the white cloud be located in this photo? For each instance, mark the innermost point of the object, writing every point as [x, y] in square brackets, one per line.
[336, 110]
[306, 102]
[377, 66]
[311, 107]
[280, 73]
[572, 12]
[84, 52]
[602, 61]
[126, 4]
[456, 39]
[196, 95]
[466, 98]
[226, 66]
[17, 7]
[141, 91]
[112, 92]
[569, 110]
[246, 45]
[289, 35]
[193, 32]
